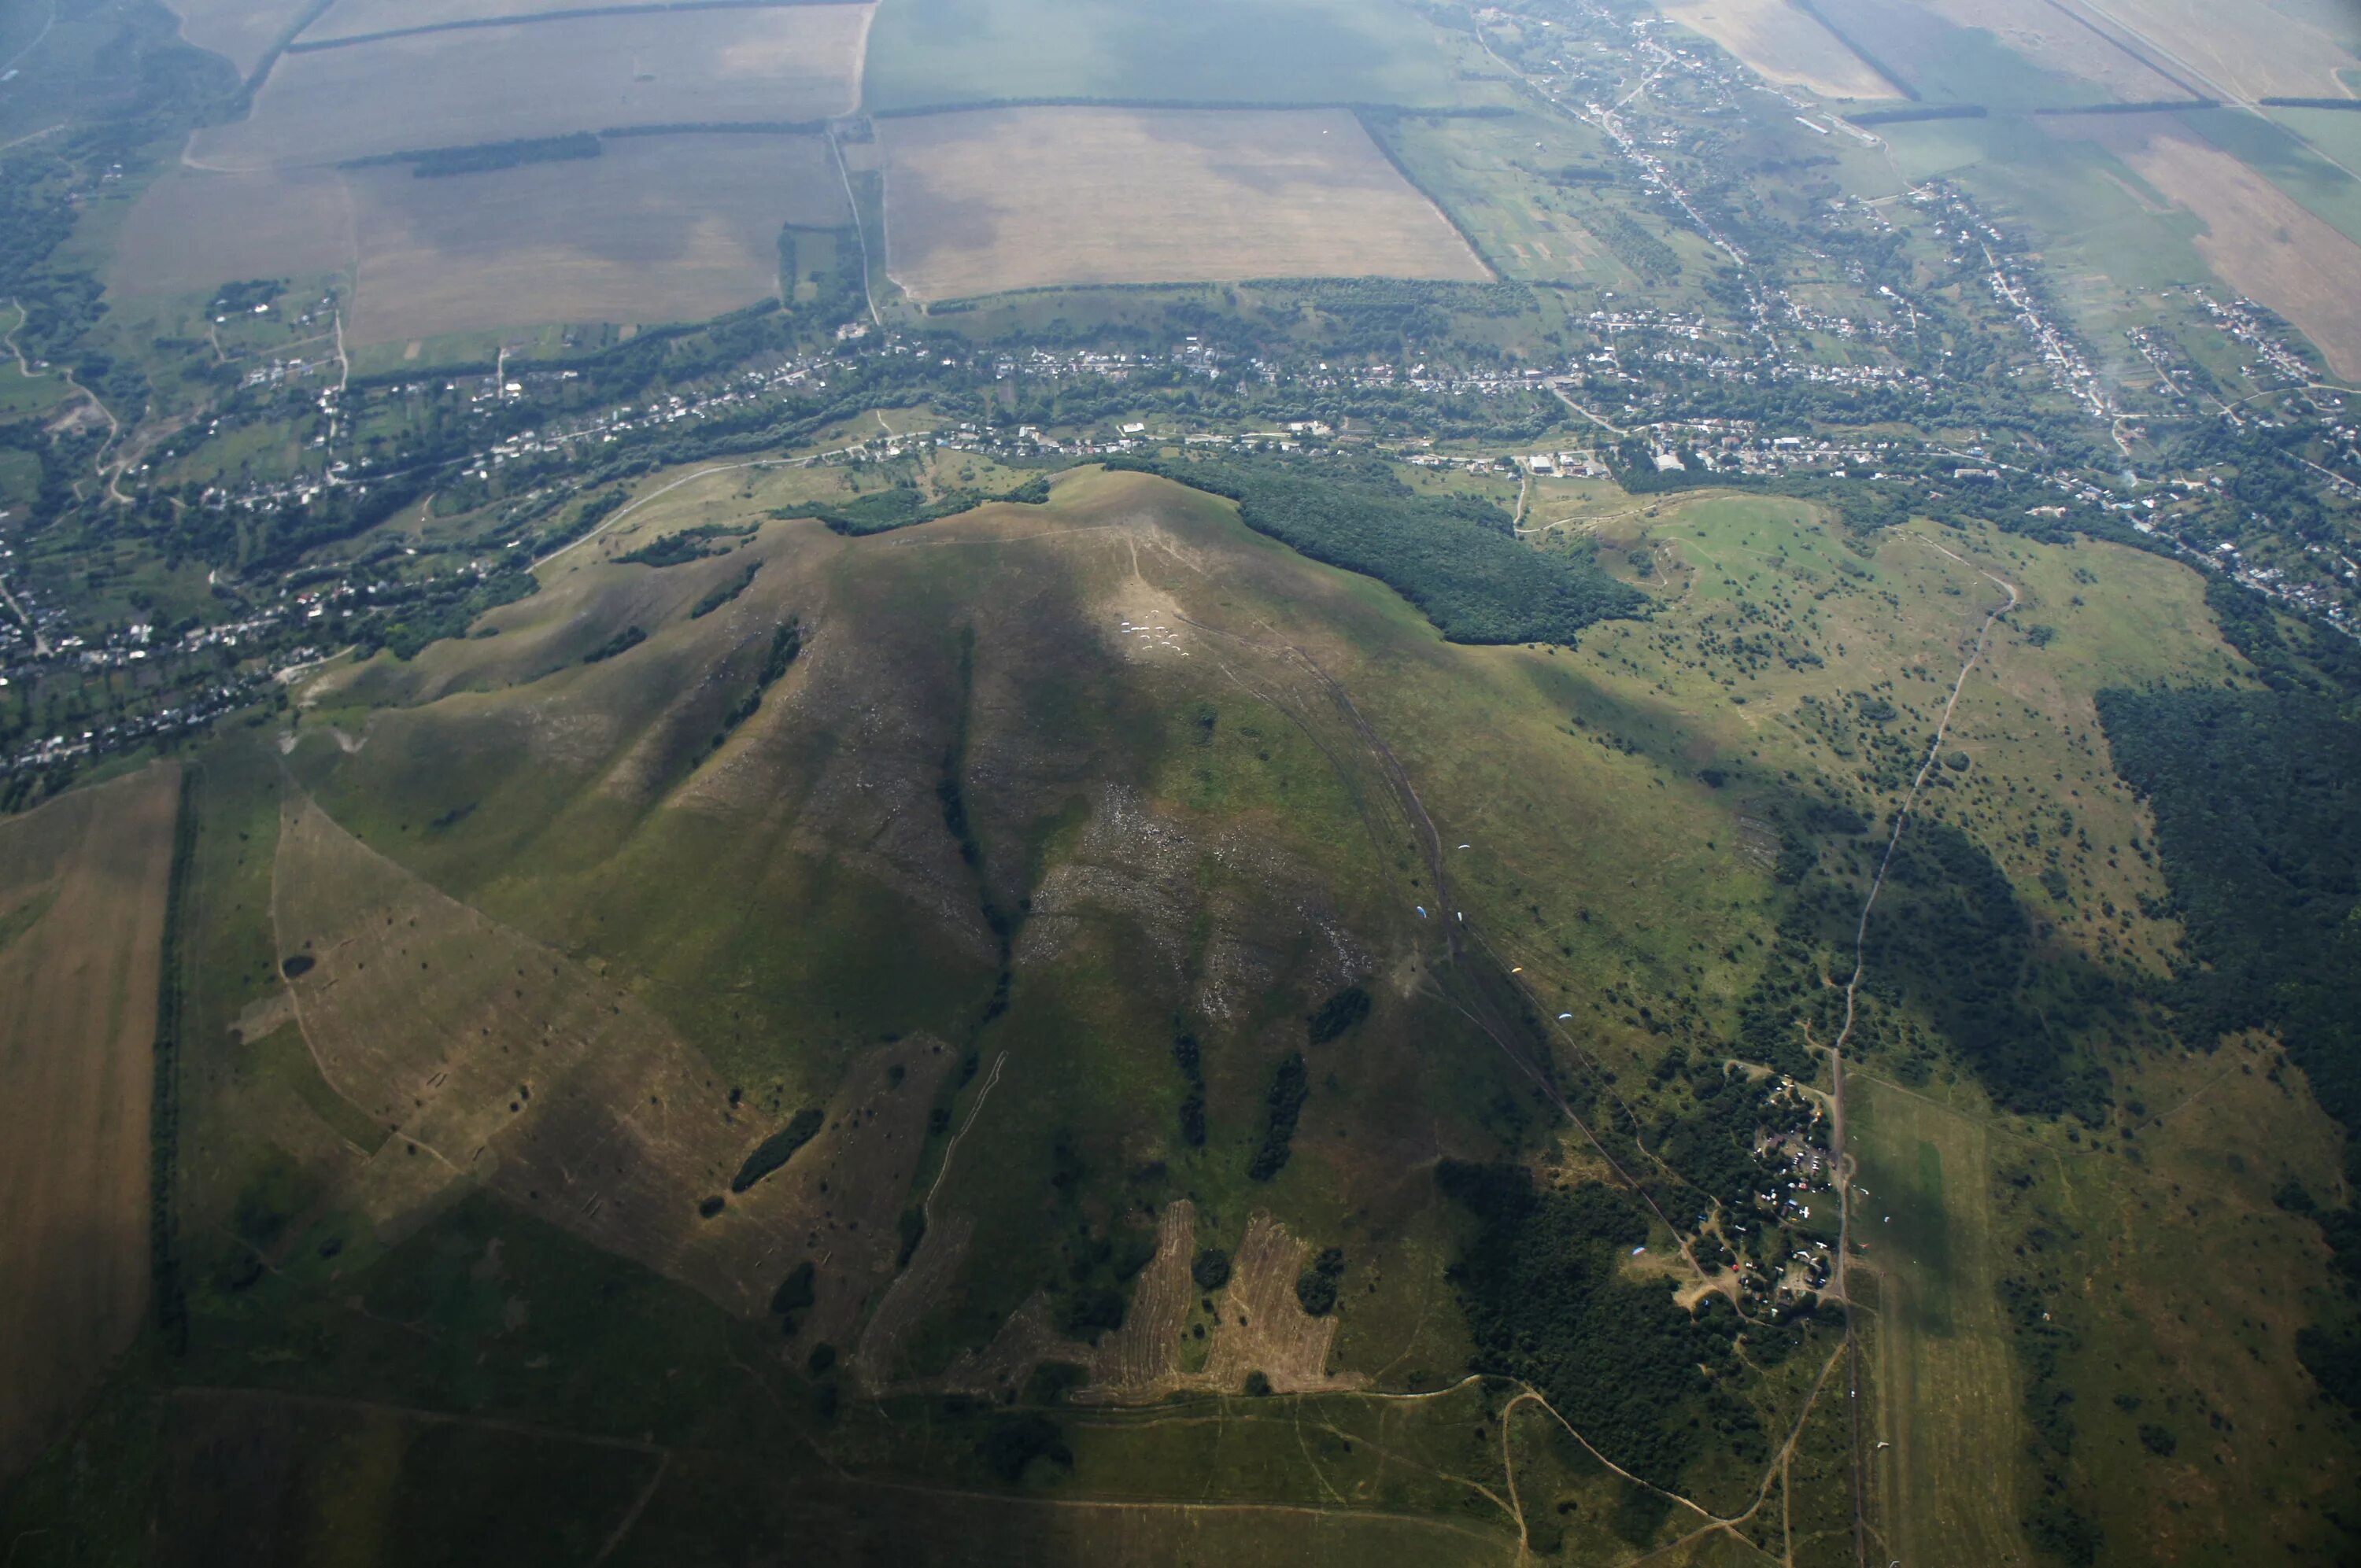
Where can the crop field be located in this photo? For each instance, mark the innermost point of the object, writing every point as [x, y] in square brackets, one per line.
[193, 231]
[364, 19]
[2258, 238]
[2246, 48]
[928, 54]
[242, 31]
[82, 885]
[787, 64]
[1783, 45]
[2053, 40]
[657, 228]
[983, 202]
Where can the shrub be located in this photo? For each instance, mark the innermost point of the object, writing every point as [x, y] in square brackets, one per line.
[1015, 1441]
[795, 1295]
[1316, 1288]
[1339, 1014]
[778, 1148]
[1284, 1099]
[1212, 1270]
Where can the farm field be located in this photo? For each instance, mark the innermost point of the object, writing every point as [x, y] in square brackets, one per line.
[1007, 199]
[348, 19]
[82, 887]
[2054, 39]
[194, 230]
[657, 228]
[2246, 48]
[1783, 45]
[928, 54]
[788, 64]
[2258, 238]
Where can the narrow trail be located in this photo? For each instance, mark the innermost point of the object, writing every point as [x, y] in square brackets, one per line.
[14, 61]
[1839, 1160]
[860, 229]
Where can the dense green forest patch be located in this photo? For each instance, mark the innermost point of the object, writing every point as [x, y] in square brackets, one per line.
[2257, 803]
[1458, 560]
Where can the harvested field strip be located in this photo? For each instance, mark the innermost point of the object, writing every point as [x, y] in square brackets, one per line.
[491, 1059]
[1000, 200]
[78, 995]
[520, 18]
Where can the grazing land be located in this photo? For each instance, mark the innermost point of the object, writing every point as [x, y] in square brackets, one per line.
[657, 228]
[782, 65]
[1783, 43]
[1004, 199]
[935, 53]
[82, 887]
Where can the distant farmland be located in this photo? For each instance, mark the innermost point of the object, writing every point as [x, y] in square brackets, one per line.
[243, 30]
[1783, 44]
[363, 18]
[658, 228]
[193, 230]
[940, 53]
[994, 200]
[2258, 239]
[81, 918]
[456, 89]
[661, 228]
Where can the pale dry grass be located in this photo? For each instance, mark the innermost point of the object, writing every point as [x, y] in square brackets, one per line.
[83, 884]
[1259, 1326]
[995, 200]
[491, 85]
[1782, 45]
